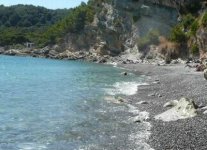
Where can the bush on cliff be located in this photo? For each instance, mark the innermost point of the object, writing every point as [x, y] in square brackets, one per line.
[178, 35]
[194, 27]
[204, 20]
[188, 20]
[194, 49]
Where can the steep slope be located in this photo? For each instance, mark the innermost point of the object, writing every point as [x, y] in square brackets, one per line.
[118, 25]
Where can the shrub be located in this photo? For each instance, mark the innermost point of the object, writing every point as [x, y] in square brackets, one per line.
[178, 35]
[194, 27]
[194, 49]
[187, 21]
[204, 20]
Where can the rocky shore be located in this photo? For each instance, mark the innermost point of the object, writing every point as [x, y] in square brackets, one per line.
[124, 58]
[57, 54]
[167, 83]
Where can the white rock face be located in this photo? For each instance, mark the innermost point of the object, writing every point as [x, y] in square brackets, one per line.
[185, 108]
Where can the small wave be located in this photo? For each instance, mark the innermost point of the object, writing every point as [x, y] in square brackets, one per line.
[114, 64]
[124, 88]
[31, 146]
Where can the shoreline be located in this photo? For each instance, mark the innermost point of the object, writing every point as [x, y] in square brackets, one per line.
[167, 83]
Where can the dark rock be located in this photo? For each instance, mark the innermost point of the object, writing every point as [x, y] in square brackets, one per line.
[121, 100]
[159, 95]
[124, 73]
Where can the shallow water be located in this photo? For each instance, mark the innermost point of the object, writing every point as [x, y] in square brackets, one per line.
[59, 105]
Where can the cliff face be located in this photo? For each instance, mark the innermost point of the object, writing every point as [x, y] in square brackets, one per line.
[118, 24]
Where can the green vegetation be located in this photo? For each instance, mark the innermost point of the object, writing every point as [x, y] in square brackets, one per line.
[26, 23]
[194, 49]
[152, 37]
[204, 19]
[19, 23]
[194, 27]
[29, 16]
[185, 29]
[178, 35]
[74, 23]
[185, 32]
[187, 21]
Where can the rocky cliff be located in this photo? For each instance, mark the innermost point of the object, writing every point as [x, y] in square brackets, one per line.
[118, 24]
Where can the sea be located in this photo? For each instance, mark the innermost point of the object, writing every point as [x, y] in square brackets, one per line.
[68, 105]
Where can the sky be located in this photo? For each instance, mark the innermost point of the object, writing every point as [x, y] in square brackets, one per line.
[51, 4]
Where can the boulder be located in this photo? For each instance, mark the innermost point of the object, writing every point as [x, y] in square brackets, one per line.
[205, 74]
[200, 67]
[185, 108]
[13, 52]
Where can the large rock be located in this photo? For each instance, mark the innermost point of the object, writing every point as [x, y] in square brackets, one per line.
[205, 74]
[185, 108]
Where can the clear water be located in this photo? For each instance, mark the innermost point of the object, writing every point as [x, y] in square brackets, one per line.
[59, 105]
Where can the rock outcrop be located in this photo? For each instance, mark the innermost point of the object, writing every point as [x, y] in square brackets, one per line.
[118, 24]
[184, 108]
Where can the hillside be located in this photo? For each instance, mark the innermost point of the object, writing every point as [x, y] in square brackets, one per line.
[18, 22]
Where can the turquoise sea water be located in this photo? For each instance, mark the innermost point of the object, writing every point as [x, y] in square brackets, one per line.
[60, 105]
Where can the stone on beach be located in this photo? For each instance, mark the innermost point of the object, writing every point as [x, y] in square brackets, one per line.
[185, 108]
[142, 102]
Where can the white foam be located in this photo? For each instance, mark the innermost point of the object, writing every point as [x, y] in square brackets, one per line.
[124, 88]
[114, 64]
[31, 146]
